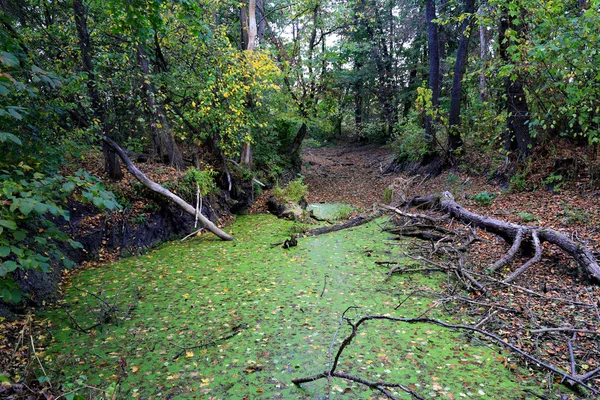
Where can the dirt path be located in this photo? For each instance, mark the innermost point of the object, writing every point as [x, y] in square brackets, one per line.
[346, 173]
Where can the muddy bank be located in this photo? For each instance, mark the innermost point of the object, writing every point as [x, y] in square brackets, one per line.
[117, 234]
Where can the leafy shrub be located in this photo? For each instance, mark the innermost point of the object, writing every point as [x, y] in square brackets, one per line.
[409, 141]
[186, 187]
[294, 192]
[312, 143]
[32, 194]
[527, 217]
[554, 181]
[484, 198]
[518, 182]
[30, 203]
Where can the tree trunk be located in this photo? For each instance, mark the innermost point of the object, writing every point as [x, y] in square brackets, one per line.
[483, 91]
[243, 27]
[518, 118]
[434, 69]
[252, 30]
[155, 187]
[517, 135]
[455, 141]
[111, 162]
[358, 99]
[162, 137]
[246, 152]
[261, 21]
[298, 139]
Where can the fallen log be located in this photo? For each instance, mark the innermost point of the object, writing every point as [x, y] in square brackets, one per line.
[514, 234]
[155, 187]
[354, 222]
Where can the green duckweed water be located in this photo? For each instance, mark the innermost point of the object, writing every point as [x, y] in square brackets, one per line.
[196, 291]
[329, 210]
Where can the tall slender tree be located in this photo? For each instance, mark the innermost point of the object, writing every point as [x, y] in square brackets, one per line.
[162, 136]
[434, 69]
[455, 141]
[252, 32]
[517, 136]
[111, 161]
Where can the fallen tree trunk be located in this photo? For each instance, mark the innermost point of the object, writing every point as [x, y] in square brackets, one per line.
[357, 221]
[513, 233]
[155, 187]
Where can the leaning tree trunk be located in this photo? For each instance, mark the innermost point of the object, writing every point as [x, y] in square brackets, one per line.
[111, 162]
[155, 187]
[294, 150]
[455, 141]
[162, 136]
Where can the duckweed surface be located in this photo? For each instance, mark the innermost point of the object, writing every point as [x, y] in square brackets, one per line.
[277, 313]
[329, 210]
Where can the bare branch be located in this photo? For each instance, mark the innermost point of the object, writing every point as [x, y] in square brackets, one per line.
[565, 329]
[510, 254]
[573, 378]
[536, 258]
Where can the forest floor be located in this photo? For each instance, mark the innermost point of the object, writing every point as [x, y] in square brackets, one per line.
[346, 173]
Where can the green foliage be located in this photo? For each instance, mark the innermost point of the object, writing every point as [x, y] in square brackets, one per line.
[32, 193]
[30, 203]
[187, 186]
[519, 181]
[312, 143]
[566, 65]
[452, 179]
[555, 181]
[204, 179]
[409, 141]
[527, 217]
[139, 219]
[484, 198]
[293, 192]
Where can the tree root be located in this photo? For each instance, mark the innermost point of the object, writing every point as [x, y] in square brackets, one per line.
[514, 234]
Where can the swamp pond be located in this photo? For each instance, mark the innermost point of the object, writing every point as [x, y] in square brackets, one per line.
[239, 320]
